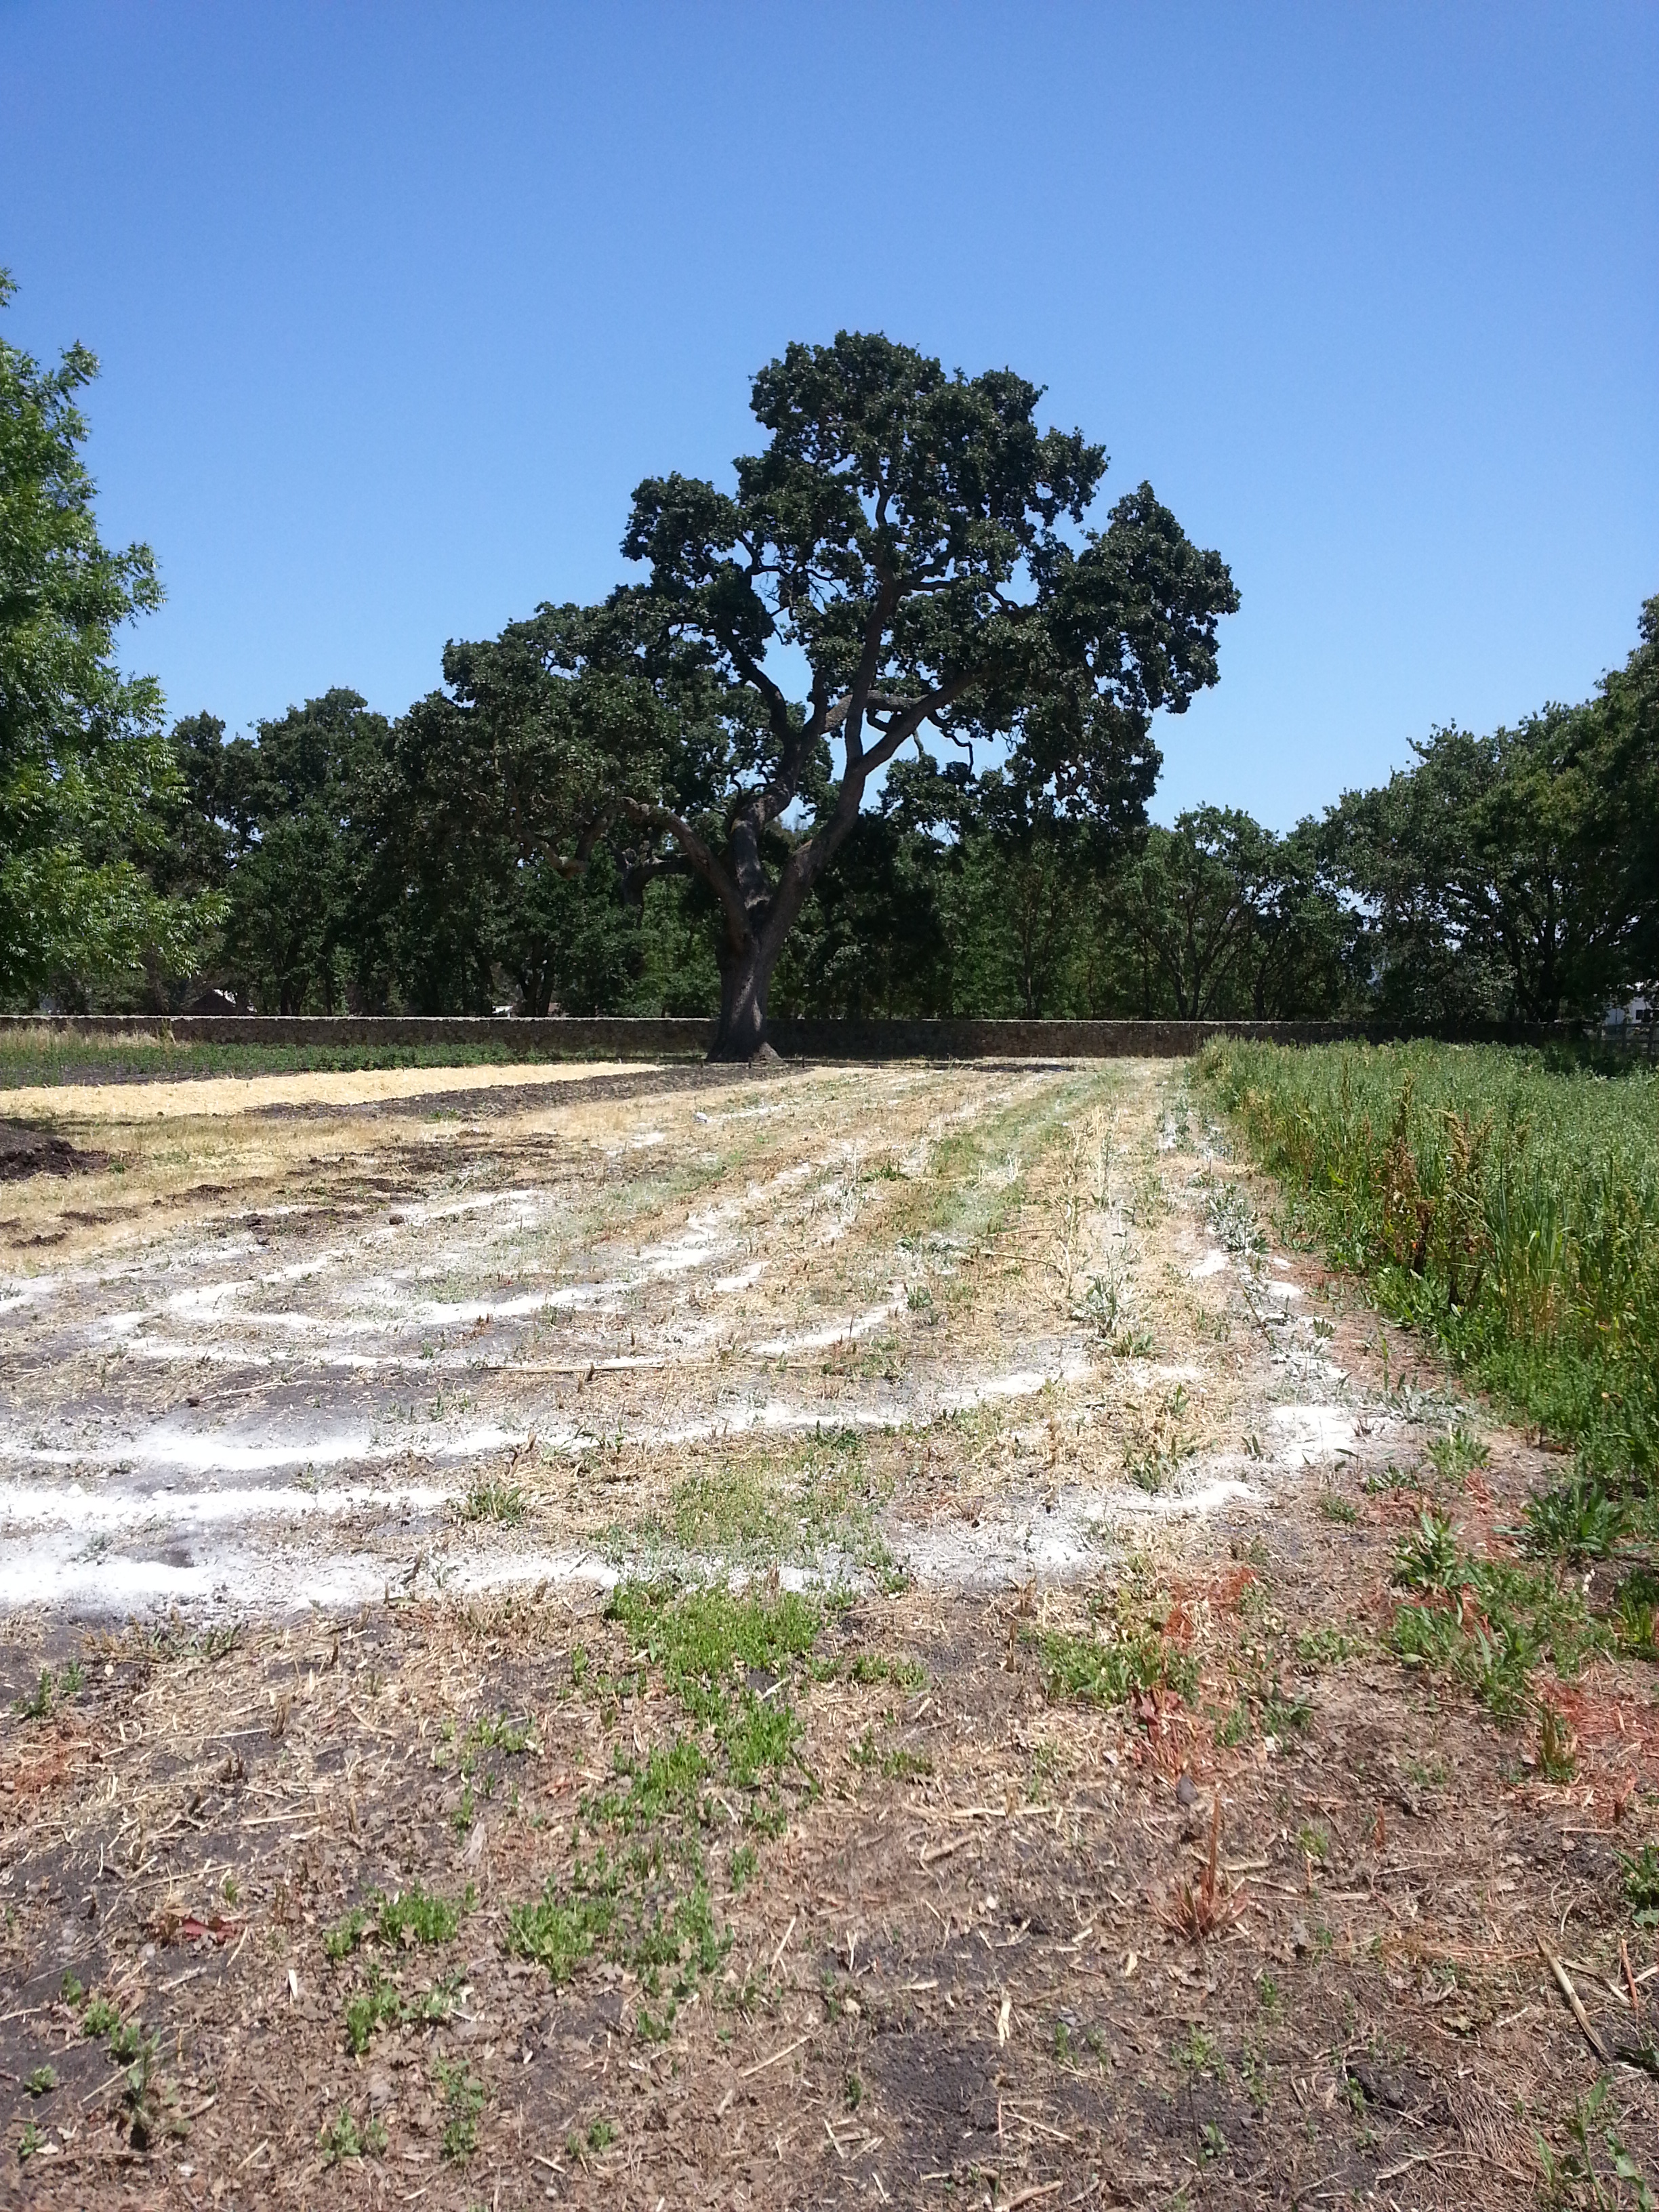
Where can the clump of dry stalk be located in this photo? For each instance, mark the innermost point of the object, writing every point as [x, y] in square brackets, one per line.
[1197, 1914]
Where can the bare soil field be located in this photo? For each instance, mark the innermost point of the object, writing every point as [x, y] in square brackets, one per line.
[778, 1638]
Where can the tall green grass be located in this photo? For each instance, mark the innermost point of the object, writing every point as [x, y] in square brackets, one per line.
[1506, 1205]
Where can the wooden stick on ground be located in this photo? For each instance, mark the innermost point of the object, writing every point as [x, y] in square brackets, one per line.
[1564, 1982]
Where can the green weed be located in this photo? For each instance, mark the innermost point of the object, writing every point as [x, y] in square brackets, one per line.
[492, 1501]
[1504, 1205]
[1102, 1672]
[342, 2138]
[1489, 1622]
[1458, 1453]
[640, 1892]
[464, 2097]
[1641, 1880]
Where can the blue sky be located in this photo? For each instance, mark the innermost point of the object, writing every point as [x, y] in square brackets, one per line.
[396, 304]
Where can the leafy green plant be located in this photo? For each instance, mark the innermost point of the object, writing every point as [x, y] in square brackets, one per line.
[1428, 1559]
[342, 2138]
[1577, 1520]
[340, 1941]
[1489, 1621]
[464, 2097]
[1557, 1754]
[1283, 1714]
[1586, 2120]
[1458, 1453]
[420, 1915]
[41, 2082]
[1636, 1613]
[381, 2003]
[492, 1501]
[1641, 1879]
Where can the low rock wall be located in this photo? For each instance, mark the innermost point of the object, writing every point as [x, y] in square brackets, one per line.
[622, 1037]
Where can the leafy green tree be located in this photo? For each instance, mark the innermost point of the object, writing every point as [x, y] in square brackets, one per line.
[1302, 956]
[85, 773]
[288, 807]
[1513, 875]
[920, 545]
[465, 880]
[1189, 902]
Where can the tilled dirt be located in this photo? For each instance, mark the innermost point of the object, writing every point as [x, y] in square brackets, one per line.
[988, 1362]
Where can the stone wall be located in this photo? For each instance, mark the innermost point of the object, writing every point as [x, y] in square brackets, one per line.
[617, 1037]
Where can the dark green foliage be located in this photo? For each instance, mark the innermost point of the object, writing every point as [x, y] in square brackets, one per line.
[920, 544]
[1641, 1877]
[86, 782]
[1515, 874]
[618, 808]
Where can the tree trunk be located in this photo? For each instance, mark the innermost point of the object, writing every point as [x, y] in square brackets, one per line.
[745, 980]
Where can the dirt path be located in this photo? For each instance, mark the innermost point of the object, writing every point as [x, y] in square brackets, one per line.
[424, 1847]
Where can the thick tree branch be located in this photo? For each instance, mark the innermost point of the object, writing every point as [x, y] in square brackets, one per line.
[637, 873]
[701, 859]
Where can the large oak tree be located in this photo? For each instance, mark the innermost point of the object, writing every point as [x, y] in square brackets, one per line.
[915, 554]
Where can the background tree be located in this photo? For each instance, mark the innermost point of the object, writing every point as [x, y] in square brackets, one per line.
[1512, 875]
[1189, 901]
[85, 773]
[290, 806]
[900, 533]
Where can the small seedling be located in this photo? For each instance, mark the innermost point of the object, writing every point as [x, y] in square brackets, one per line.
[1557, 1750]
[1282, 1716]
[342, 2138]
[1641, 1876]
[41, 2082]
[464, 2095]
[492, 1501]
[1458, 1453]
[1428, 1559]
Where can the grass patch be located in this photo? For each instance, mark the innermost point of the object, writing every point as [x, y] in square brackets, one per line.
[1504, 1204]
[30, 1056]
[639, 1889]
[1100, 1671]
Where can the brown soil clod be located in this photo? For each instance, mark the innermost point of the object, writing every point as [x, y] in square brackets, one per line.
[27, 1150]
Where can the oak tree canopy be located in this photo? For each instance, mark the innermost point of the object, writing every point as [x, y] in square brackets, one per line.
[908, 552]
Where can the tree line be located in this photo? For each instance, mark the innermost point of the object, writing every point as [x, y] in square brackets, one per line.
[620, 808]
